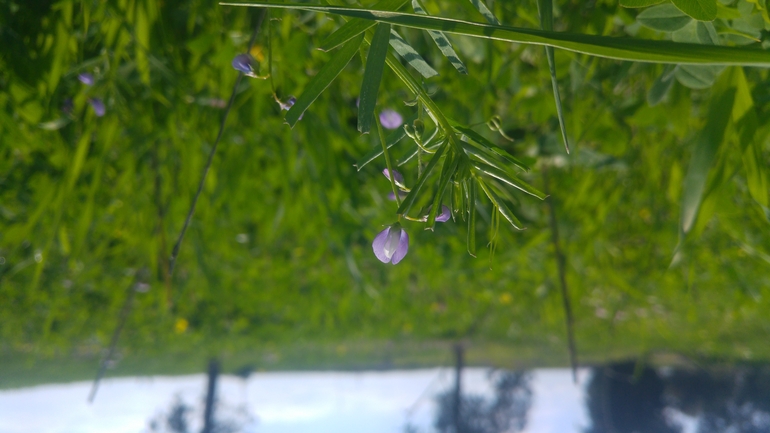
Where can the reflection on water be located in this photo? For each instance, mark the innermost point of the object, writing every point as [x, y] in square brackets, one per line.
[617, 398]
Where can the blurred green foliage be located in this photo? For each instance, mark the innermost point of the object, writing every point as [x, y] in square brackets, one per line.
[279, 250]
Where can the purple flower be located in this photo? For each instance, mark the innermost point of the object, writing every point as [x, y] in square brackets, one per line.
[86, 79]
[98, 106]
[445, 214]
[441, 218]
[397, 177]
[288, 104]
[242, 62]
[401, 194]
[390, 119]
[391, 244]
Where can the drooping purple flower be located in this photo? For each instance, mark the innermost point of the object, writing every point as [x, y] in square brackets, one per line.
[86, 78]
[242, 62]
[98, 106]
[401, 194]
[397, 177]
[391, 244]
[390, 119]
[445, 214]
[440, 218]
[288, 104]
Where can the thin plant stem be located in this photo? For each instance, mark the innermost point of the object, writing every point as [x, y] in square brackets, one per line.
[391, 176]
[178, 244]
[561, 265]
[115, 337]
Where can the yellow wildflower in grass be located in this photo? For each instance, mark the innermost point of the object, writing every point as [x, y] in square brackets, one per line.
[181, 325]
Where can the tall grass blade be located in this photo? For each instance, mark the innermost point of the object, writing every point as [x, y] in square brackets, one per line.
[412, 57]
[636, 50]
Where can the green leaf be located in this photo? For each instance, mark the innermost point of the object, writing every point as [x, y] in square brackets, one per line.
[353, 28]
[746, 123]
[449, 169]
[665, 18]
[702, 10]
[501, 206]
[442, 42]
[546, 22]
[697, 77]
[470, 186]
[637, 50]
[458, 204]
[706, 33]
[661, 86]
[484, 145]
[411, 56]
[485, 12]
[323, 78]
[375, 65]
[507, 178]
[410, 198]
[391, 141]
[639, 3]
[703, 156]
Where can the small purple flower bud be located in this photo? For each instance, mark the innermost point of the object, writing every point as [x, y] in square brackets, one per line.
[242, 62]
[98, 106]
[67, 106]
[390, 119]
[391, 244]
[401, 194]
[288, 104]
[445, 214]
[86, 79]
[397, 177]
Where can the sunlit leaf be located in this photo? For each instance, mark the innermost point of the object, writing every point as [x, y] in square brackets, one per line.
[638, 50]
[411, 56]
[484, 11]
[355, 27]
[370, 86]
[442, 42]
[501, 206]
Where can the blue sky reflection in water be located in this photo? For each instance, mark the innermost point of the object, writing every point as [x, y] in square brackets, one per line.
[283, 402]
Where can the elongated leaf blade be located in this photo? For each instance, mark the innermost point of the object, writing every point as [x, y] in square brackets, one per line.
[485, 12]
[353, 28]
[637, 50]
[507, 178]
[442, 42]
[488, 147]
[546, 22]
[703, 157]
[449, 168]
[375, 66]
[410, 198]
[746, 124]
[501, 206]
[412, 57]
[323, 79]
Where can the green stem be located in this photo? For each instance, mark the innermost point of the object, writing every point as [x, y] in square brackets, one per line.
[387, 160]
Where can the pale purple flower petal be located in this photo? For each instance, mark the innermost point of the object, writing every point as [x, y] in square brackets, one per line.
[396, 176]
[390, 119]
[86, 78]
[391, 244]
[242, 62]
[379, 245]
[445, 214]
[98, 106]
[401, 194]
[288, 104]
[403, 247]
